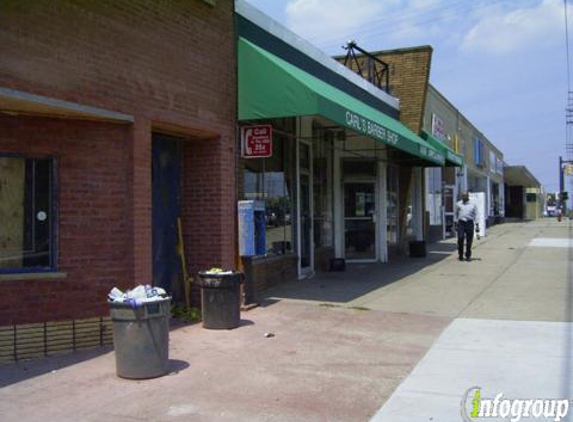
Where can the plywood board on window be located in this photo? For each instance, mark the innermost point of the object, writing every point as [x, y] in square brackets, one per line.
[12, 190]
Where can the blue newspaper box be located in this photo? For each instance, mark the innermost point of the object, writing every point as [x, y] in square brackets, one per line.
[252, 228]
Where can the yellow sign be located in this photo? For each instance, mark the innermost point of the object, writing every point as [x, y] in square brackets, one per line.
[456, 143]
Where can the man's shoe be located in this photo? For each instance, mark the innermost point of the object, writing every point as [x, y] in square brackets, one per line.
[460, 258]
[468, 259]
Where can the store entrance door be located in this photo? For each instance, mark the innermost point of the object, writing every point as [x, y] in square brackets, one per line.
[166, 209]
[360, 221]
[449, 209]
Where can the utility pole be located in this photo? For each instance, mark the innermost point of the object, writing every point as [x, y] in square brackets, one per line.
[562, 199]
[561, 183]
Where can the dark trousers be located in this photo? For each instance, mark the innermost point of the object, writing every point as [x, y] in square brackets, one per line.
[465, 231]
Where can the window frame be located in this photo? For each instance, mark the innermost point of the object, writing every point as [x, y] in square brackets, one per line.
[263, 161]
[53, 207]
[479, 153]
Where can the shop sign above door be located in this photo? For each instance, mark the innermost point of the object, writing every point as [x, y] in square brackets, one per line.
[257, 141]
[438, 127]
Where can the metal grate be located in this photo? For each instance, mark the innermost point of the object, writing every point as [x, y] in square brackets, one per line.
[31, 341]
[367, 66]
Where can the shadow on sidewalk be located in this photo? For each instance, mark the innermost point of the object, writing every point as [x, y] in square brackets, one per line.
[358, 279]
[13, 373]
[25, 370]
[22, 370]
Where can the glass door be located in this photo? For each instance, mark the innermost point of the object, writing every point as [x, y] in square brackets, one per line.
[305, 212]
[449, 208]
[392, 207]
[360, 221]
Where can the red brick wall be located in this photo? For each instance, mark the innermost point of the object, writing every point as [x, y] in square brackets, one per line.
[172, 61]
[92, 242]
[170, 64]
[206, 201]
[139, 194]
[208, 205]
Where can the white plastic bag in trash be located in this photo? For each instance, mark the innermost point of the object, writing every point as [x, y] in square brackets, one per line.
[138, 295]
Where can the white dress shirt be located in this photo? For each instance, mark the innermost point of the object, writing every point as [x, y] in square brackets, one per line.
[467, 211]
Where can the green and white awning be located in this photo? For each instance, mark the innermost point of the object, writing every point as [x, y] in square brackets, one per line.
[270, 87]
[452, 158]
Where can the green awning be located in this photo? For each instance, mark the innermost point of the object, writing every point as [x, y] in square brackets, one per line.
[270, 87]
[452, 158]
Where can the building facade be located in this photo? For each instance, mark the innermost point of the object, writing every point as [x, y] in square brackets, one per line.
[482, 170]
[112, 131]
[474, 163]
[525, 198]
[344, 180]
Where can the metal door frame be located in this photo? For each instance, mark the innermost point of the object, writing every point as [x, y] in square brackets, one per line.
[305, 272]
[452, 213]
[396, 245]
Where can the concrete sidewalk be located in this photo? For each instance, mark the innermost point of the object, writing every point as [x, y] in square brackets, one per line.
[507, 279]
[519, 359]
[343, 345]
[528, 358]
[323, 364]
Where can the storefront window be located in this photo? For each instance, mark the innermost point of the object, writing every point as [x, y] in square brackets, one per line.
[434, 198]
[495, 207]
[392, 205]
[410, 213]
[26, 214]
[271, 180]
[322, 189]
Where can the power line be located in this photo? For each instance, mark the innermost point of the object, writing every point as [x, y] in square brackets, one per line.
[567, 46]
[395, 26]
[394, 19]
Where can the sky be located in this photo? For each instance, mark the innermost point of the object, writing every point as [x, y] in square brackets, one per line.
[502, 63]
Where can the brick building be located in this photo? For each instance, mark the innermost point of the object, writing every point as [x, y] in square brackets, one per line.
[116, 119]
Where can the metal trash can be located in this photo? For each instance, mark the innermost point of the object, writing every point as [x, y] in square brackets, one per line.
[417, 249]
[337, 264]
[141, 338]
[220, 300]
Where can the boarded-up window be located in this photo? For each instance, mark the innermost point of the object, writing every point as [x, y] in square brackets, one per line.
[26, 219]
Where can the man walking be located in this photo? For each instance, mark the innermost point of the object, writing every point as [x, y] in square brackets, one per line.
[466, 216]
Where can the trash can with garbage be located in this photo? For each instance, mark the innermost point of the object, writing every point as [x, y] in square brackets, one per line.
[140, 320]
[220, 298]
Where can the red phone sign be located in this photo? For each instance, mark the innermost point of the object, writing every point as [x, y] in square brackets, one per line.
[257, 141]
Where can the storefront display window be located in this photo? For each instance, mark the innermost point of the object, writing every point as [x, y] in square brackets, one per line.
[495, 199]
[26, 214]
[392, 205]
[271, 180]
[434, 198]
[322, 189]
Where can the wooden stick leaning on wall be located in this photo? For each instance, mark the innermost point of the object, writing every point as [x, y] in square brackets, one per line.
[187, 280]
